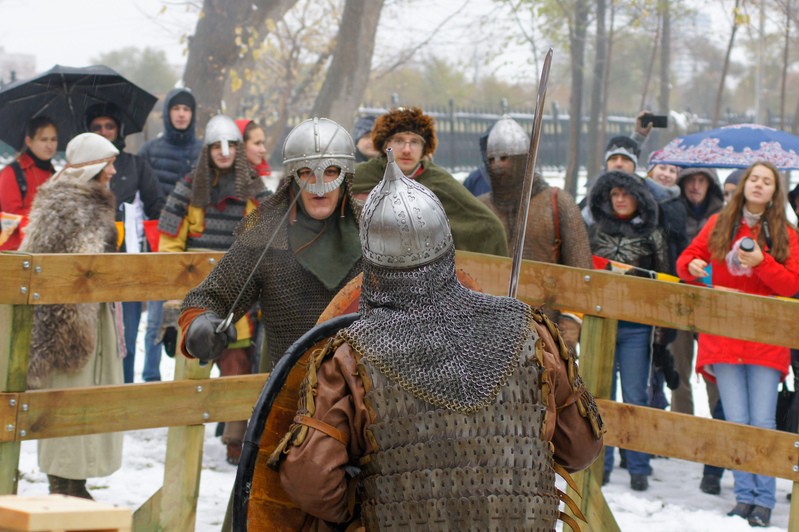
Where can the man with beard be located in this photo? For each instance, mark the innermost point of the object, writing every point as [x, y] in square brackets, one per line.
[555, 229]
[452, 410]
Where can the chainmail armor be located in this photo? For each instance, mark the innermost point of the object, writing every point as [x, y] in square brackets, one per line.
[291, 297]
[436, 469]
[441, 342]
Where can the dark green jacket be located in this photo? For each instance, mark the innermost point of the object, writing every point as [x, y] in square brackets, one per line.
[474, 226]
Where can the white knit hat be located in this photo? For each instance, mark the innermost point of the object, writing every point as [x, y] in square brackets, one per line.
[87, 154]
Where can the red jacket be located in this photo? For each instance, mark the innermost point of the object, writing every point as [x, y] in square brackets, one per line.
[769, 278]
[11, 199]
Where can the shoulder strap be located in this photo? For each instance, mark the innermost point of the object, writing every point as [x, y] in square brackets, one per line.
[22, 183]
[556, 223]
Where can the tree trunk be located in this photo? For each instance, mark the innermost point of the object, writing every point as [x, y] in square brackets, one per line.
[348, 75]
[785, 63]
[665, 59]
[602, 137]
[577, 35]
[593, 163]
[649, 68]
[213, 49]
[725, 67]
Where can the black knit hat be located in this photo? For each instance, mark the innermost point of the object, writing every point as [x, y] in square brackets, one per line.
[184, 97]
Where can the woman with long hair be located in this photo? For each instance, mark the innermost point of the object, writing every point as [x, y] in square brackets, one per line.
[751, 247]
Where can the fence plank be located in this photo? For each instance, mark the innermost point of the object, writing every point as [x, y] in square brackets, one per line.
[624, 297]
[75, 411]
[15, 271]
[66, 278]
[707, 441]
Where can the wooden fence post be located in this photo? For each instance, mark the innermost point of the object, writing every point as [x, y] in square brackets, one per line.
[15, 332]
[597, 348]
[174, 505]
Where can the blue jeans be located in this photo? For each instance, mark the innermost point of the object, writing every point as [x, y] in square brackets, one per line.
[749, 396]
[632, 361]
[131, 315]
[152, 349]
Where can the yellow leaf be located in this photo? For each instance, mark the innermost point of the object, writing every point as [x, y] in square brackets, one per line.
[163, 10]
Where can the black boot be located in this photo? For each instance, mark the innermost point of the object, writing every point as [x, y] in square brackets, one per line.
[77, 488]
[58, 485]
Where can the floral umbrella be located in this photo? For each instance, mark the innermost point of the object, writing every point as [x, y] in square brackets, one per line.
[736, 146]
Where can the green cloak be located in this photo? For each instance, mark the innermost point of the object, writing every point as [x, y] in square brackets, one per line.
[474, 226]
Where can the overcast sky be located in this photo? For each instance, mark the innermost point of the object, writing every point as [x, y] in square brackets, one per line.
[71, 32]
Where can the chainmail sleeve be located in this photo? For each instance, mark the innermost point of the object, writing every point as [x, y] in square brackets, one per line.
[219, 290]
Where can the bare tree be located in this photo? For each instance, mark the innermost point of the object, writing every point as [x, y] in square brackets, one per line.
[665, 56]
[578, 26]
[345, 83]
[597, 94]
[215, 46]
[737, 19]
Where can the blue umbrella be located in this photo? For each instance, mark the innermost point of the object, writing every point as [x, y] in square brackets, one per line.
[736, 146]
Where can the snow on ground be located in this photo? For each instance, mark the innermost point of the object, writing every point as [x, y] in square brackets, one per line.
[673, 501]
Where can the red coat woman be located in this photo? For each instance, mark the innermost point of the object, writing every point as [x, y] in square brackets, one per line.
[774, 268]
[41, 141]
[747, 373]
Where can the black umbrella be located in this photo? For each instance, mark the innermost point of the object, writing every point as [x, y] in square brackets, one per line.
[63, 94]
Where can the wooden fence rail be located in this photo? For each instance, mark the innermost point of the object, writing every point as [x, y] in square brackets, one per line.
[194, 399]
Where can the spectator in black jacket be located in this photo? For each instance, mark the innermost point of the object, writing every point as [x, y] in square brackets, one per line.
[138, 197]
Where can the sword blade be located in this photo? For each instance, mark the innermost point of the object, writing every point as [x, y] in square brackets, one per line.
[529, 171]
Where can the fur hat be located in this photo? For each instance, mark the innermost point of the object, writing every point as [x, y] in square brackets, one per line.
[402, 119]
[625, 146]
[87, 154]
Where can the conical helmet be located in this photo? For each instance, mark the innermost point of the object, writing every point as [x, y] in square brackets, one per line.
[506, 138]
[318, 143]
[403, 224]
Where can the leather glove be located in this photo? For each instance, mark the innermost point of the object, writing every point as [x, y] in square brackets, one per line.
[202, 340]
[663, 360]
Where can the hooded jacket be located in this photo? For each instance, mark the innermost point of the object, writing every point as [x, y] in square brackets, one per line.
[638, 241]
[696, 217]
[174, 153]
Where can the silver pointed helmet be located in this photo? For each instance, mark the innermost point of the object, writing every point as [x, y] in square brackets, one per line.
[224, 130]
[507, 137]
[318, 143]
[403, 224]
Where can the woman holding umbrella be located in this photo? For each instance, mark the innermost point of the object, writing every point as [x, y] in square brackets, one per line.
[752, 248]
[20, 180]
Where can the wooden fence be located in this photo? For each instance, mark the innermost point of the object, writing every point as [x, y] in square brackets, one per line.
[195, 399]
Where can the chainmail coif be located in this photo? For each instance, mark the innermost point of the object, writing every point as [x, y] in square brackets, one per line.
[443, 343]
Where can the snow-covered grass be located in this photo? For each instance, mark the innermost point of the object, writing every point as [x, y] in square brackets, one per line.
[673, 501]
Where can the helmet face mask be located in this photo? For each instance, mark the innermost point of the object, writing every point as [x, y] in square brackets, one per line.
[320, 187]
[317, 144]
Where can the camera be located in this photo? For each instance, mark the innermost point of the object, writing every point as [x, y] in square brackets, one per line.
[659, 121]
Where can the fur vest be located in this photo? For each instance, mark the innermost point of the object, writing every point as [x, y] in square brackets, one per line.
[67, 217]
